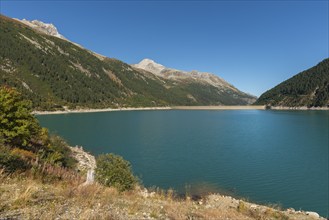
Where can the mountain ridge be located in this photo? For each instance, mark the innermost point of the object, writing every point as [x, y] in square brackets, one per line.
[51, 30]
[56, 73]
[177, 75]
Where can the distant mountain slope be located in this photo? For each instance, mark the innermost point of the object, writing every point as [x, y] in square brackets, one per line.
[54, 72]
[184, 78]
[308, 88]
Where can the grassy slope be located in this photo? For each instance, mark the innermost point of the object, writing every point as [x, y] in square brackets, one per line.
[308, 88]
[30, 198]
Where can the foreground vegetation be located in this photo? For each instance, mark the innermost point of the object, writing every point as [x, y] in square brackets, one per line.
[24, 144]
[24, 196]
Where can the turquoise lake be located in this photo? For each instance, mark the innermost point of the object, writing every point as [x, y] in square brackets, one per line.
[276, 157]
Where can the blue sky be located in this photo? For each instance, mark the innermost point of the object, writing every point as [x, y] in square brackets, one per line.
[252, 44]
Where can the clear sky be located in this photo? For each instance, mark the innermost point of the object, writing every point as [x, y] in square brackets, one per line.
[252, 44]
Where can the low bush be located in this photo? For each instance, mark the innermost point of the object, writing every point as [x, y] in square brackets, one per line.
[113, 170]
[11, 162]
[57, 153]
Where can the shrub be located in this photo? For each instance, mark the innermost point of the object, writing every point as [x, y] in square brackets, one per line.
[113, 170]
[57, 153]
[11, 162]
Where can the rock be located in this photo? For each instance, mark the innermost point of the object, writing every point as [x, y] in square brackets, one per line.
[291, 210]
[85, 160]
[90, 177]
[49, 29]
[144, 193]
[313, 214]
[253, 206]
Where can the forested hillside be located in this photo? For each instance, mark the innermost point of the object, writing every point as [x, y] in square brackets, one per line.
[308, 88]
[53, 73]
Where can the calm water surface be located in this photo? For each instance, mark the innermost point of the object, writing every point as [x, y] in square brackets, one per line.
[266, 156]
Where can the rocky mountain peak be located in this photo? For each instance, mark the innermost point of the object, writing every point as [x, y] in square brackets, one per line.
[49, 29]
[150, 65]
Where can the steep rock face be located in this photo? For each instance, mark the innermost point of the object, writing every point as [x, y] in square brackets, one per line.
[57, 74]
[309, 88]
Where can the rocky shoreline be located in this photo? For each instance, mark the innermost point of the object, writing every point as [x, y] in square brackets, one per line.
[86, 161]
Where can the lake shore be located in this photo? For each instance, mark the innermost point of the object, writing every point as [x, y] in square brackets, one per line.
[218, 107]
[247, 107]
[221, 107]
[297, 108]
[98, 110]
[75, 199]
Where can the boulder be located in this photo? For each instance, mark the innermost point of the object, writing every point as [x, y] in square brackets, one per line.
[313, 214]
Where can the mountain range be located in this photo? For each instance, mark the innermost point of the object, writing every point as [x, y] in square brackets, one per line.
[56, 73]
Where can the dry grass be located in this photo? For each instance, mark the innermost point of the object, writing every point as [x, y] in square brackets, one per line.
[50, 173]
[27, 197]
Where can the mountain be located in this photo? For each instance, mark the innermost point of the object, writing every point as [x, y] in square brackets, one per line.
[308, 88]
[227, 93]
[180, 76]
[56, 73]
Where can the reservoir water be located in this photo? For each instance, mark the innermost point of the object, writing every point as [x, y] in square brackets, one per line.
[278, 157]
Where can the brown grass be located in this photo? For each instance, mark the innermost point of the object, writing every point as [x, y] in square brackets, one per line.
[27, 197]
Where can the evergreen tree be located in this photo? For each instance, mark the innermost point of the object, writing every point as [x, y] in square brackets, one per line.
[18, 125]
